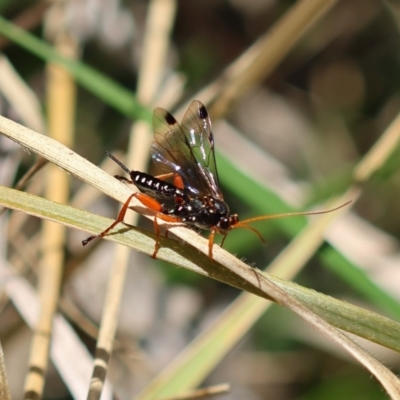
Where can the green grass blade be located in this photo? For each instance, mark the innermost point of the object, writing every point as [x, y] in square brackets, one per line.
[263, 201]
[100, 85]
[356, 320]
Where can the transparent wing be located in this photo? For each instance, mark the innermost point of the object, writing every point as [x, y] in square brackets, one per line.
[187, 149]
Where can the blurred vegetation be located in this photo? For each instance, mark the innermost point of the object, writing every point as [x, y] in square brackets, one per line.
[315, 116]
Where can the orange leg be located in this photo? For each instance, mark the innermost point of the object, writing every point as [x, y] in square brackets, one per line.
[148, 202]
[178, 182]
[163, 177]
[211, 243]
[164, 217]
[119, 219]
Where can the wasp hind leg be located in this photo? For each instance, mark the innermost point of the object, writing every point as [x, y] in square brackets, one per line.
[119, 219]
[146, 200]
[149, 203]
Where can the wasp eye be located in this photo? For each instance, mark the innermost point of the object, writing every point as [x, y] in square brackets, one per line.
[224, 224]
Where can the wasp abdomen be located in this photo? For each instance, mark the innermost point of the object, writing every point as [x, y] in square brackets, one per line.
[149, 184]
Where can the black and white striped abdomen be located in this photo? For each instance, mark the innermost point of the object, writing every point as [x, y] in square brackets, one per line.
[149, 184]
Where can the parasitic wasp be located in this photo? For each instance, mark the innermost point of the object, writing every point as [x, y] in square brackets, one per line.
[189, 192]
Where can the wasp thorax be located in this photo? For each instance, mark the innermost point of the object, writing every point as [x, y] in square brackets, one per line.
[220, 207]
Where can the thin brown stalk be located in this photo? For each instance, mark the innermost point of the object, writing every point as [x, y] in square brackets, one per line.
[4, 389]
[257, 62]
[159, 23]
[61, 99]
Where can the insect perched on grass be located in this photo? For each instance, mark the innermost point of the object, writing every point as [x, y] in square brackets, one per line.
[189, 191]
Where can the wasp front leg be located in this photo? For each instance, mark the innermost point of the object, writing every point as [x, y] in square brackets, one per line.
[211, 243]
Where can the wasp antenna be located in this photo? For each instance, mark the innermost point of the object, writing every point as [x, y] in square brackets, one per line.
[250, 228]
[292, 214]
[118, 162]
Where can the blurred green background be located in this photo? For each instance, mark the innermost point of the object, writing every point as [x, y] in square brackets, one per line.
[290, 142]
